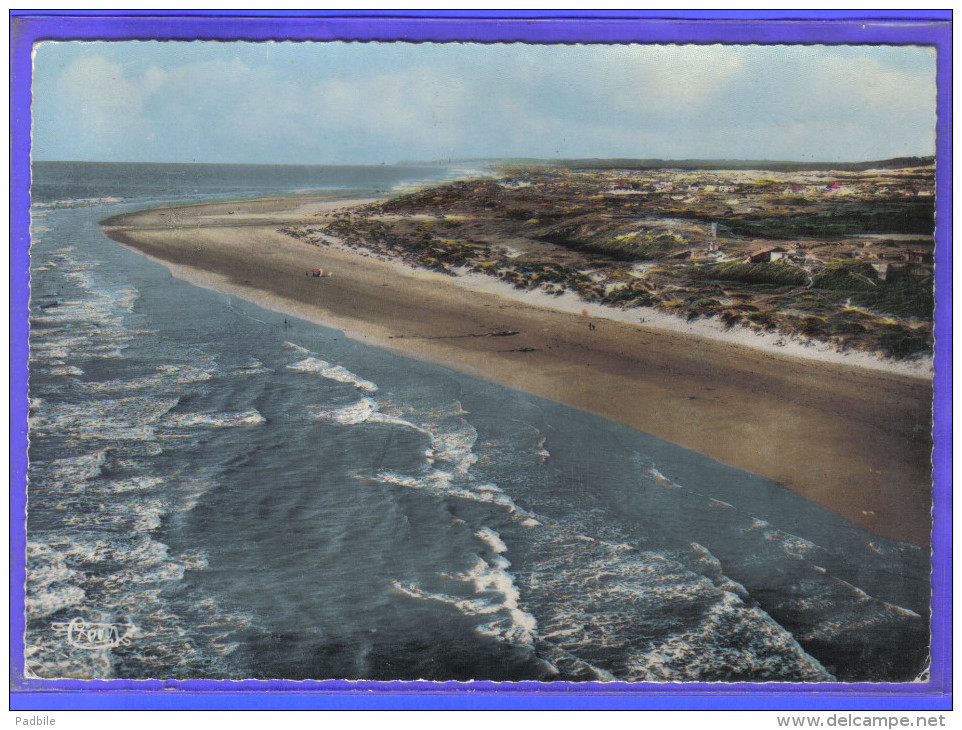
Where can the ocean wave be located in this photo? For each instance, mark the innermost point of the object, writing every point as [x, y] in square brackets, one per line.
[496, 597]
[254, 367]
[807, 587]
[216, 420]
[75, 203]
[125, 581]
[99, 492]
[642, 616]
[58, 368]
[53, 586]
[709, 566]
[333, 372]
[442, 484]
[448, 459]
[540, 453]
[349, 415]
[491, 574]
[791, 544]
[661, 479]
[76, 471]
[84, 320]
[166, 375]
[139, 515]
[134, 418]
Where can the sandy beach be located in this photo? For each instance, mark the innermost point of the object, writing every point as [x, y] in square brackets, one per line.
[853, 439]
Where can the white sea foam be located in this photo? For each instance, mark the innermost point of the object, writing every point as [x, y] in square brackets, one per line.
[711, 567]
[499, 599]
[766, 650]
[791, 544]
[127, 575]
[719, 504]
[75, 471]
[541, 453]
[76, 203]
[389, 420]
[441, 483]
[131, 484]
[491, 540]
[333, 372]
[352, 414]
[621, 610]
[217, 420]
[449, 456]
[120, 419]
[88, 321]
[61, 369]
[662, 480]
[166, 376]
[140, 515]
[454, 447]
[254, 367]
[52, 585]
[834, 610]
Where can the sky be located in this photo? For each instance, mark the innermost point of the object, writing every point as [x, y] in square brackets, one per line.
[368, 103]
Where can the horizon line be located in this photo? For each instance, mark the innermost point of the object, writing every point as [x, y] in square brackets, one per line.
[503, 160]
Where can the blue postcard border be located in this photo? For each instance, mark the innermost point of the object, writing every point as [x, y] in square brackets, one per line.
[829, 27]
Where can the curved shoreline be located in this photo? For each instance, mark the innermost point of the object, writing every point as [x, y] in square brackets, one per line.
[856, 440]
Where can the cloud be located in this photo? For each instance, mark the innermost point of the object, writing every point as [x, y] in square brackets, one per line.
[407, 106]
[103, 103]
[684, 78]
[344, 102]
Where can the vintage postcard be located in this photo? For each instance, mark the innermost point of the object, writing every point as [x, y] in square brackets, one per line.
[355, 361]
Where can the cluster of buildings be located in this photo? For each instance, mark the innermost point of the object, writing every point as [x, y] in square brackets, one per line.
[914, 262]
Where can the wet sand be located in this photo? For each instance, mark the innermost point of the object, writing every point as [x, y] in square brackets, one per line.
[855, 440]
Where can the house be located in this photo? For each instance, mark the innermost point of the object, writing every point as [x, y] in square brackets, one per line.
[840, 189]
[767, 254]
[921, 257]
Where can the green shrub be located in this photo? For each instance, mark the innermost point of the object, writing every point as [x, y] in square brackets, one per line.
[702, 307]
[907, 296]
[843, 324]
[901, 342]
[588, 234]
[813, 326]
[767, 319]
[629, 297]
[765, 272]
[730, 318]
[519, 213]
[846, 275]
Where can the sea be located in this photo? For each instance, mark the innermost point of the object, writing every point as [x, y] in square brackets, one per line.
[220, 492]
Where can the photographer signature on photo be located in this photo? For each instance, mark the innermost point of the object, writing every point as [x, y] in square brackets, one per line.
[94, 636]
